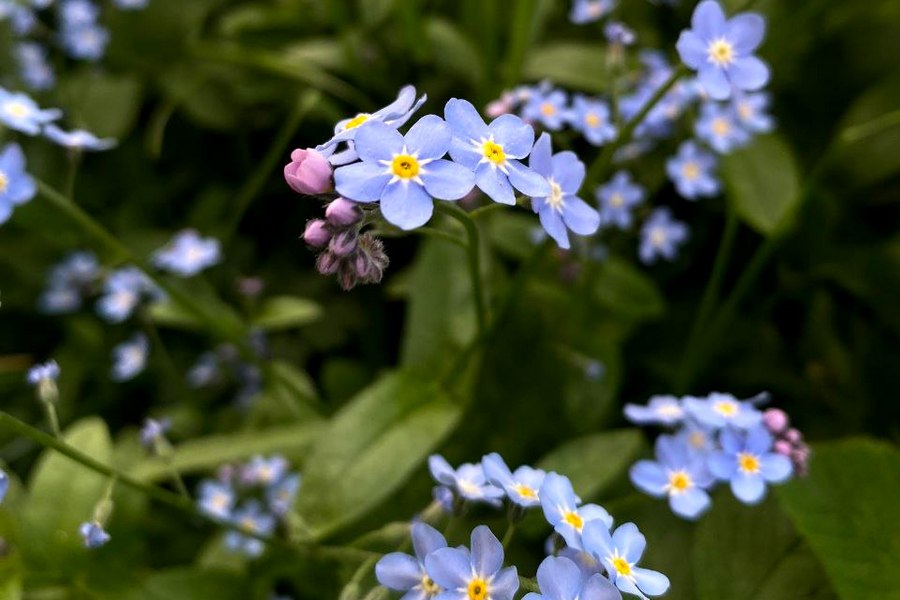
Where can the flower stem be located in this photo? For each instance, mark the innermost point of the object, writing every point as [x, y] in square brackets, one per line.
[473, 250]
[508, 536]
[52, 418]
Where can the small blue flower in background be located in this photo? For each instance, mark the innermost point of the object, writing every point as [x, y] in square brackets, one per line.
[404, 172]
[43, 372]
[620, 553]
[16, 186]
[22, 19]
[443, 495]
[281, 495]
[561, 209]
[522, 486]
[493, 152]
[592, 118]
[131, 4]
[661, 236]
[718, 127]
[475, 574]
[67, 281]
[130, 358]
[85, 42]
[251, 519]
[393, 115]
[696, 438]
[691, 170]
[563, 511]
[4, 485]
[123, 291]
[588, 11]
[264, 471]
[78, 139]
[34, 68]
[548, 109]
[404, 573]
[660, 410]
[216, 499]
[153, 431]
[721, 50]
[561, 579]
[93, 535]
[78, 12]
[750, 111]
[619, 34]
[469, 481]
[617, 199]
[748, 462]
[719, 410]
[205, 371]
[677, 473]
[18, 111]
[187, 254]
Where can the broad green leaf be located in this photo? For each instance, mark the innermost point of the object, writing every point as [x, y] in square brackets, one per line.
[172, 315]
[763, 183]
[870, 134]
[577, 65]
[847, 509]
[11, 578]
[286, 312]
[370, 448]
[513, 234]
[103, 104]
[595, 461]
[191, 584]
[453, 51]
[627, 291]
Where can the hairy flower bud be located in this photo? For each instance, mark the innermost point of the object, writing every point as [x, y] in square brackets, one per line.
[327, 263]
[308, 172]
[343, 244]
[342, 212]
[316, 234]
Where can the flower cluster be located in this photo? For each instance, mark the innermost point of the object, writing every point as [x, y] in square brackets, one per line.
[42, 377]
[716, 439]
[253, 497]
[225, 365]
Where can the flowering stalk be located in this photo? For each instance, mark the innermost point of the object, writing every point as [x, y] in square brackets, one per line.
[473, 249]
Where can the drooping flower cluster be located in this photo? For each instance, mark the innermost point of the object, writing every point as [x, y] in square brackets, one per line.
[716, 439]
[253, 497]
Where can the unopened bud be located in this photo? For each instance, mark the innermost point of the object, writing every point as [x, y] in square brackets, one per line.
[327, 263]
[343, 244]
[793, 436]
[308, 172]
[775, 420]
[343, 212]
[316, 234]
[783, 447]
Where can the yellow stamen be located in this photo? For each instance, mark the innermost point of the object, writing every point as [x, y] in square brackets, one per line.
[621, 566]
[356, 121]
[679, 482]
[478, 589]
[16, 109]
[525, 491]
[616, 200]
[721, 52]
[592, 120]
[429, 586]
[248, 524]
[555, 199]
[658, 237]
[494, 152]
[726, 408]
[698, 439]
[745, 110]
[574, 519]
[4, 182]
[405, 166]
[748, 463]
[721, 127]
[691, 171]
[547, 109]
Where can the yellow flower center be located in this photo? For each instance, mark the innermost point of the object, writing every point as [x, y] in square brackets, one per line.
[4, 182]
[698, 439]
[748, 463]
[721, 52]
[668, 410]
[494, 152]
[726, 408]
[679, 482]
[574, 519]
[622, 566]
[405, 166]
[356, 121]
[429, 586]
[721, 127]
[220, 501]
[658, 237]
[248, 524]
[525, 491]
[547, 109]
[592, 120]
[745, 110]
[616, 200]
[691, 171]
[555, 199]
[16, 109]
[478, 589]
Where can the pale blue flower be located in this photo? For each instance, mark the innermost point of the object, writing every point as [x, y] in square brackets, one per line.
[18, 111]
[130, 358]
[123, 290]
[43, 373]
[264, 471]
[748, 463]
[216, 499]
[93, 535]
[78, 12]
[17, 187]
[677, 473]
[718, 127]
[153, 431]
[404, 573]
[561, 579]
[469, 480]
[522, 486]
[719, 410]
[85, 42]
[691, 170]
[660, 410]
[281, 495]
[4, 485]
[661, 236]
[619, 34]
[250, 519]
[617, 200]
[620, 553]
[592, 118]
[78, 139]
[751, 112]
[548, 109]
[479, 573]
[564, 511]
[588, 11]
[34, 68]
[188, 254]
[68, 281]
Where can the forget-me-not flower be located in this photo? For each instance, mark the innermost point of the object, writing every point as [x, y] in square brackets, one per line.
[522, 486]
[154, 431]
[751, 112]
[187, 254]
[216, 499]
[661, 236]
[43, 372]
[78, 12]
[563, 509]
[748, 463]
[16, 186]
[93, 535]
[405, 173]
[721, 50]
[123, 291]
[617, 199]
[718, 127]
[469, 480]
[620, 553]
[592, 118]
[34, 68]
[677, 473]
[404, 573]
[691, 170]
[547, 108]
[4, 485]
[85, 42]
[660, 410]
[559, 578]
[250, 519]
[561, 209]
[475, 574]
[719, 410]
[67, 281]
[264, 471]
[280, 496]
[18, 111]
[78, 139]
[493, 152]
[588, 11]
[130, 358]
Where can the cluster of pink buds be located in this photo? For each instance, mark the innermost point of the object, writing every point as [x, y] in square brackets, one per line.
[788, 440]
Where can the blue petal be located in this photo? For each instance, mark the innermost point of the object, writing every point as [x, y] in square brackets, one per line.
[599, 587]
[398, 571]
[708, 20]
[649, 477]
[594, 512]
[749, 489]
[464, 120]
[463, 152]
[426, 539]
[400, 106]
[406, 204]
[729, 439]
[629, 541]
[691, 49]
[596, 539]
[361, 182]
[579, 216]
[515, 135]
[495, 184]
[505, 584]
[568, 172]
[759, 440]
[650, 582]
[559, 578]
[527, 181]
[541, 156]
[447, 180]
[775, 467]
[496, 470]
[552, 223]
[714, 81]
[749, 73]
[376, 141]
[430, 137]
[690, 504]
[441, 470]
[449, 567]
[722, 465]
[746, 32]
[487, 552]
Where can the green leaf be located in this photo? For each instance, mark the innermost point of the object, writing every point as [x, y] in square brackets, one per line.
[173, 315]
[575, 65]
[870, 134]
[102, 104]
[191, 584]
[627, 291]
[370, 448]
[595, 461]
[763, 183]
[453, 51]
[286, 312]
[847, 509]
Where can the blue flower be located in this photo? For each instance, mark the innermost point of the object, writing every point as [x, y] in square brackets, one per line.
[678, 473]
[4, 485]
[493, 152]
[522, 486]
[469, 480]
[660, 410]
[750, 111]
[130, 358]
[67, 281]
[216, 499]
[85, 42]
[264, 471]
[561, 208]
[122, 292]
[592, 118]
[747, 461]
[16, 186]
[721, 51]
[34, 68]
[696, 438]
[478, 574]
[78, 139]
[20, 112]
[131, 4]
[561, 579]
[718, 127]
[617, 198]
[620, 553]
[547, 108]
[660, 236]
[78, 12]
[562, 510]
[43, 372]
[93, 535]
[588, 11]
[691, 172]
[719, 410]
[404, 172]
[404, 573]
[205, 371]
[250, 519]
[187, 254]
[619, 34]
[281, 495]
[154, 431]
[393, 115]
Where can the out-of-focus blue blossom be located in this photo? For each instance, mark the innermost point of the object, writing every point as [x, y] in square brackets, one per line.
[469, 480]
[696, 438]
[620, 553]
[493, 152]
[661, 236]
[130, 358]
[280, 496]
[22, 20]
[264, 471]
[187, 254]
[619, 34]
[548, 109]
[718, 127]
[85, 42]
[68, 281]
[4, 485]
[691, 170]
[561, 209]
[559, 578]
[34, 68]
[477, 573]
[131, 4]
[563, 509]
[719, 410]
[588, 11]
[721, 50]
[617, 199]
[216, 499]
[748, 463]
[677, 473]
[123, 291]
[404, 573]
[78, 12]
[660, 410]
[751, 112]
[43, 372]
[592, 118]
[93, 535]
[250, 519]
[78, 139]
[404, 173]
[443, 495]
[16, 186]
[153, 431]
[205, 371]
[522, 486]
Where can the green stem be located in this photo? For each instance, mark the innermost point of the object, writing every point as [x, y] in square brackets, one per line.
[508, 536]
[52, 417]
[473, 250]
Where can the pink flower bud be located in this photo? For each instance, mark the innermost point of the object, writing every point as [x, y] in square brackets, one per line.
[343, 212]
[308, 172]
[316, 234]
[498, 107]
[783, 447]
[343, 244]
[793, 436]
[327, 263]
[775, 420]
